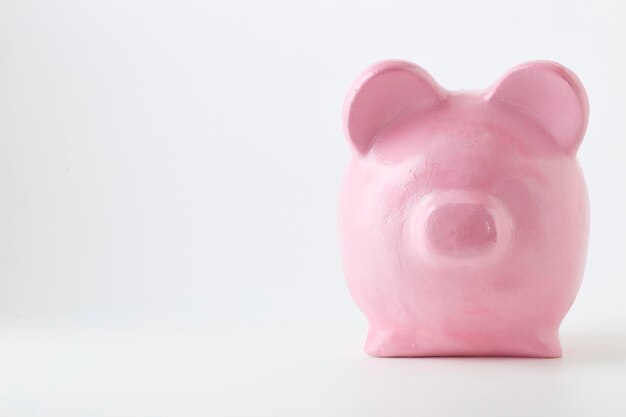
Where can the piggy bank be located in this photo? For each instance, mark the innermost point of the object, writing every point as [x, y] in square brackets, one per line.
[464, 215]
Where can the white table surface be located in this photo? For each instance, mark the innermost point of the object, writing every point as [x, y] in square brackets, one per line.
[89, 370]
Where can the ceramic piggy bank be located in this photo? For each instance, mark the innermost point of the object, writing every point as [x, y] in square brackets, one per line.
[464, 215]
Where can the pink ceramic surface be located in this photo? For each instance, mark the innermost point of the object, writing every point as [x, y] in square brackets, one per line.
[464, 215]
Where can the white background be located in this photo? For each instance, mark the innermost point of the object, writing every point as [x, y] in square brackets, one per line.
[179, 161]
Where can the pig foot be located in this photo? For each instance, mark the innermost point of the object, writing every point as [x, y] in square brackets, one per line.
[389, 343]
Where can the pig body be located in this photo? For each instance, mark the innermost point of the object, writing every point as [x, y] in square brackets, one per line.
[464, 216]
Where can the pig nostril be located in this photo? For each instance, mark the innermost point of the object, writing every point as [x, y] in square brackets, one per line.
[461, 229]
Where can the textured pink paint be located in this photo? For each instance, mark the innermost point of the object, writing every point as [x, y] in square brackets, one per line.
[464, 215]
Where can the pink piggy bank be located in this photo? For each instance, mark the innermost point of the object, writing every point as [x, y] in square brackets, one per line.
[464, 215]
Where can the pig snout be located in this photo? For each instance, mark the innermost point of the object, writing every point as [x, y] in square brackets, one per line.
[462, 225]
[461, 229]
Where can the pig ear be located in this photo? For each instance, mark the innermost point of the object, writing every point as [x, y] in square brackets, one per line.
[552, 95]
[382, 93]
